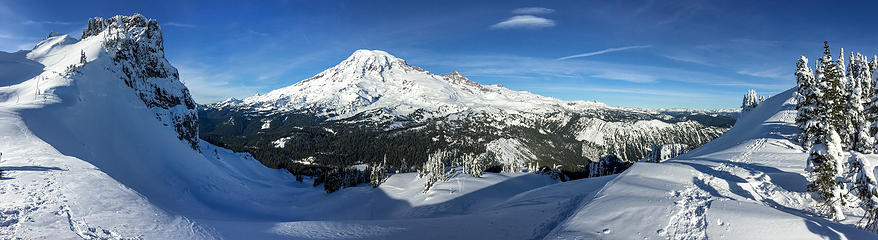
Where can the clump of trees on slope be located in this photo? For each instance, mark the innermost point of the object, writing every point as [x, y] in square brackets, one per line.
[837, 106]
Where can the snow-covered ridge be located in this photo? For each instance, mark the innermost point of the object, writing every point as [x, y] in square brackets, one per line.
[372, 79]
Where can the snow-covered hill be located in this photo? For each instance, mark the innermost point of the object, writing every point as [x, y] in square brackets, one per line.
[747, 184]
[99, 143]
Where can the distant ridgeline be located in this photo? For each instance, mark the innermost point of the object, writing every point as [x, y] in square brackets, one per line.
[837, 105]
[373, 106]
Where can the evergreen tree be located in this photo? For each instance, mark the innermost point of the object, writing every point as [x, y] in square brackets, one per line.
[434, 169]
[751, 100]
[475, 165]
[403, 168]
[379, 173]
[825, 168]
[871, 105]
[860, 89]
[831, 96]
[806, 104]
[865, 187]
[845, 124]
[824, 162]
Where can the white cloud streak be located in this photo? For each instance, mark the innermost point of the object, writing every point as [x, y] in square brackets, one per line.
[690, 59]
[533, 10]
[778, 73]
[209, 86]
[636, 91]
[176, 24]
[628, 77]
[31, 22]
[608, 50]
[519, 67]
[524, 22]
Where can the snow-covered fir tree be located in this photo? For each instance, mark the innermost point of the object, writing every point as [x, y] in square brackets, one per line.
[871, 105]
[434, 169]
[860, 91]
[659, 153]
[82, 58]
[847, 121]
[831, 103]
[806, 96]
[475, 165]
[824, 164]
[825, 169]
[751, 100]
[608, 164]
[379, 173]
[865, 187]
[403, 167]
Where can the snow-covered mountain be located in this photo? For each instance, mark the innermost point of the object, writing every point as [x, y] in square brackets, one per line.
[371, 80]
[373, 94]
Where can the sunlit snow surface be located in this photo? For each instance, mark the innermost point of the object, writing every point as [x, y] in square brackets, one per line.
[747, 184]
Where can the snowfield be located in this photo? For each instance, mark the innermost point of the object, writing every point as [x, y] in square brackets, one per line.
[747, 184]
[85, 158]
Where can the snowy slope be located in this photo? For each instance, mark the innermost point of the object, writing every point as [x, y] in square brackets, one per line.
[747, 184]
[87, 155]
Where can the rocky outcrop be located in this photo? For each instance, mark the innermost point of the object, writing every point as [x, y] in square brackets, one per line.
[136, 47]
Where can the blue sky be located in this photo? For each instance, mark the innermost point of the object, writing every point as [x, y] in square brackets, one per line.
[650, 54]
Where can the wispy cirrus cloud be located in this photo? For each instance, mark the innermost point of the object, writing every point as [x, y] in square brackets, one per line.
[533, 10]
[521, 67]
[636, 91]
[690, 59]
[612, 82]
[626, 76]
[524, 22]
[208, 85]
[778, 73]
[608, 50]
[176, 24]
[32, 22]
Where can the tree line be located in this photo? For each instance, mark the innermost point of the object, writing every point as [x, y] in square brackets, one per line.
[837, 111]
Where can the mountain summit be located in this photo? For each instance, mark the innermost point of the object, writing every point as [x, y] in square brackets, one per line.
[372, 80]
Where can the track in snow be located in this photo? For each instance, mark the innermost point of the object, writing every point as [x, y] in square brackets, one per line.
[689, 221]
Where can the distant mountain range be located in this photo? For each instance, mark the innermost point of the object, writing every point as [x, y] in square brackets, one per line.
[373, 105]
